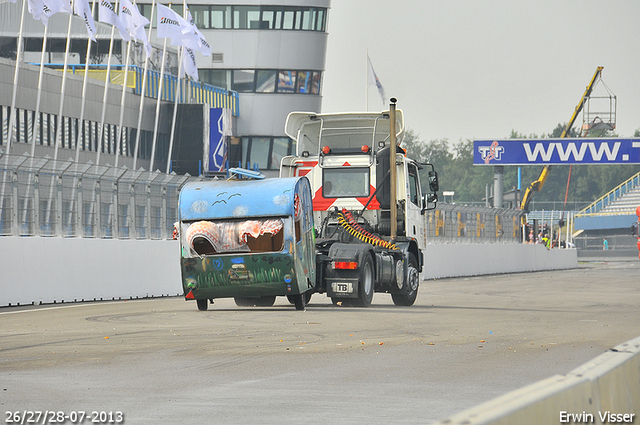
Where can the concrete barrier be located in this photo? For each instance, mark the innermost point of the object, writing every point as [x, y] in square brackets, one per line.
[450, 260]
[607, 385]
[47, 270]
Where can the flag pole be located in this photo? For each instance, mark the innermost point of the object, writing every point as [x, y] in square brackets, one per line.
[142, 91]
[80, 135]
[122, 99]
[175, 109]
[366, 89]
[36, 128]
[178, 93]
[12, 114]
[160, 84]
[105, 95]
[60, 123]
[84, 91]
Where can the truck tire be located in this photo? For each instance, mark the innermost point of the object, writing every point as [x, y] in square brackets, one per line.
[265, 301]
[300, 301]
[307, 295]
[411, 282]
[244, 301]
[202, 304]
[255, 301]
[365, 283]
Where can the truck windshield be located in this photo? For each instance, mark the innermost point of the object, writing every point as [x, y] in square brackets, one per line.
[345, 182]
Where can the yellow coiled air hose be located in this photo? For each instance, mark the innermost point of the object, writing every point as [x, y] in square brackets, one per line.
[348, 223]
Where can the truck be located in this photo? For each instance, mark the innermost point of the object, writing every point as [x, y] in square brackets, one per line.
[360, 200]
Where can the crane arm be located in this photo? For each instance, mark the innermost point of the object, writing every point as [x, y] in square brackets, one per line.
[536, 186]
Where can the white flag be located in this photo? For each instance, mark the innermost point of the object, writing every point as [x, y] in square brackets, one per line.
[170, 24]
[83, 10]
[189, 65]
[42, 10]
[203, 46]
[373, 80]
[108, 15]
[134, 22]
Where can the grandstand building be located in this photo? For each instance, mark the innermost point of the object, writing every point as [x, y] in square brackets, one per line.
[267, 60]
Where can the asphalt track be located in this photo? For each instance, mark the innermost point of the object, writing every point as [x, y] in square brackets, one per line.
[467, 340]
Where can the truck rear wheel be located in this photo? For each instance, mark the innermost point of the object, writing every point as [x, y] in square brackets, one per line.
[265, 301]
[365, 283]
[255, 301]
[411, 282]
[202, 304]
[307, 298]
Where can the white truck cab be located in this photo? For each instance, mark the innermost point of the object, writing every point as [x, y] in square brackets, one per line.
[346, 157]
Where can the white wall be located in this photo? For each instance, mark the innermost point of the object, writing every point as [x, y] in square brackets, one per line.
[449, 260]
[46, 270]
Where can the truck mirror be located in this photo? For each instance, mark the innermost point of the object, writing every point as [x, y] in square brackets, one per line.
[433, 182]
[429, 198]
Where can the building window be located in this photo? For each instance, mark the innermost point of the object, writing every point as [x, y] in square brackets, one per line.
[264, 153]
[246, 17]
[265, 81]
[243, 80]
[286, 82]
[249, 17]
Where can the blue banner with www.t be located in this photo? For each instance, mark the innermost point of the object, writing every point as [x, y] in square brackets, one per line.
[556, 151]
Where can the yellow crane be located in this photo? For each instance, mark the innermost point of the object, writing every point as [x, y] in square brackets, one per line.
[536, 186]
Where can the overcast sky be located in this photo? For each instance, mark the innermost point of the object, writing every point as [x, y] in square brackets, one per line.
[465, 69]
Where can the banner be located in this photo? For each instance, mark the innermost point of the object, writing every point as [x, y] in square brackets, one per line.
[171, 25]
[83, 10]
[220, 129]
[134, 22]
[203, 46]
[42, 10]
[556, 151]
[108, 15]
[373, 80]
[189, 65]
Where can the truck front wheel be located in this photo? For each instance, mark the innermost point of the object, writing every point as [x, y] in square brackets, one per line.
[411, 281]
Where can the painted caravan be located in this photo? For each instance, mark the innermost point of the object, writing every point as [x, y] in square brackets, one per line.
[252, 240]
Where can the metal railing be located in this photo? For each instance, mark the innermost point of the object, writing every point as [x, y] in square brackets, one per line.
[190, 90]
[451, 223]
[46, 197]
[43, 197]
[597, 207]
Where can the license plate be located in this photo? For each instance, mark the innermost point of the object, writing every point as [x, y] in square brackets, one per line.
[342, 287]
